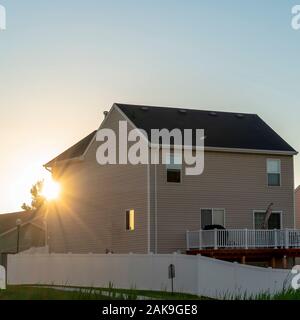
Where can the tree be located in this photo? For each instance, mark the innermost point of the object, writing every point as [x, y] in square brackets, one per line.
[37, 198]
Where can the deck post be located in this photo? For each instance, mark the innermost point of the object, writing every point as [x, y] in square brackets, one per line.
[187, 240]
[215, 239]
[275, 239]
[273, 262]
[246, 238]
[284, 262]
[286, 238]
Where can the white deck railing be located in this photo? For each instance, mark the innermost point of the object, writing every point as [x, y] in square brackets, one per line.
[243, 238]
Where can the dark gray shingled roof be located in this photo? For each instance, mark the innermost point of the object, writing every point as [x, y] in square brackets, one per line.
[222, 129]
[75, 151]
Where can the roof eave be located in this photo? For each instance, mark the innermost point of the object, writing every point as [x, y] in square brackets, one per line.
[230, 150]
[51, 164]
[257, 151]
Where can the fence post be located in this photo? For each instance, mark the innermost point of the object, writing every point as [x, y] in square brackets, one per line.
[187, 240]
[246, 238]
[200, 239]
[286, 238]
[215, 239]
[275, 239]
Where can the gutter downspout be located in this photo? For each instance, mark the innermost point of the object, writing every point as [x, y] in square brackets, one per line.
[155, 205]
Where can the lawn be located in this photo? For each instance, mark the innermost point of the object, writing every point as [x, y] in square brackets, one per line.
[110, 293]
[31, 293]
[75, 293]
[287, 294]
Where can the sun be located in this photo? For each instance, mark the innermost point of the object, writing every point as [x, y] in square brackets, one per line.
[51, 189]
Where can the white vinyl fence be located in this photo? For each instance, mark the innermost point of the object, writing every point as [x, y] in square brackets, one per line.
[193, 274]
[2, 278]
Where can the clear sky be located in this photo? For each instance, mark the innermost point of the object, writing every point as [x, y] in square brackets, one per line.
[63, 62]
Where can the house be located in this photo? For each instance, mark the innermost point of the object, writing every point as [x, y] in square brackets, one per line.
[20, 231]
[156, 208]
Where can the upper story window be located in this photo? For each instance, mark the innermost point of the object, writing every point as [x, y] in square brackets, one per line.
[274, 172]
[174, 168]
[130, 220]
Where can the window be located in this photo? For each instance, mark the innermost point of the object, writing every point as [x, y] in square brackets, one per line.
[273, 223]
[212, 216]
[174, 168]
[273, 170]
[130, 220]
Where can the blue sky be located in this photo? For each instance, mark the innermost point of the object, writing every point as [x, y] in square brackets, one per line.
[62, 63]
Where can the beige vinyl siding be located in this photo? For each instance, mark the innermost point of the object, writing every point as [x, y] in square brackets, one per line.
[235, 182]
[297, 207]
[91, 214]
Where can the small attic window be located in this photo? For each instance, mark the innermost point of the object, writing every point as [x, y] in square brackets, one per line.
[145, 108]
[213, 114]
[240, 116]
[182, 111]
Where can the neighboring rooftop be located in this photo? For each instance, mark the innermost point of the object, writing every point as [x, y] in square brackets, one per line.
[222, 129]
[8, 220]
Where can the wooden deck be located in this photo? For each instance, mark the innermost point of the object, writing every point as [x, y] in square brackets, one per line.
[274, 257]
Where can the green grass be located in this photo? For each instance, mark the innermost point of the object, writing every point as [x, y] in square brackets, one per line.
[109, 293]
[163, 295]
[286, 294]
[30, 293]
[133, 293]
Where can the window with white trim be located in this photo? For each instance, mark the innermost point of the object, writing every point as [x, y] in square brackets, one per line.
[130, 220]
[212, 217]
[274, 172]
[174, 166]
[274, 221]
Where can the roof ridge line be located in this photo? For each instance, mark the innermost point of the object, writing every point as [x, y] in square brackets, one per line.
[184, 108]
